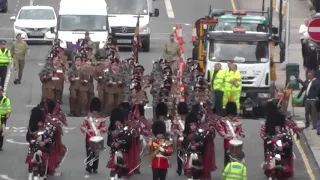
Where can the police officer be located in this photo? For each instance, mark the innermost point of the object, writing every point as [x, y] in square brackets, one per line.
[235, 169]
[172, 53]
[5, 110]
[5, 60]
[20, 50]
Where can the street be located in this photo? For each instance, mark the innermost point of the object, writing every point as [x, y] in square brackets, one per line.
[28, 94]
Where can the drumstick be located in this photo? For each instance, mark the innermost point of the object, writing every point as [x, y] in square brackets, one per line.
[231, 129]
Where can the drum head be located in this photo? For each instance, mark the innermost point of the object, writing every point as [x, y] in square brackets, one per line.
[236, 142]
[96, 138]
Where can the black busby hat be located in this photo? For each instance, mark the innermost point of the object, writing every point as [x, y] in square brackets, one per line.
[182, 108]
[37, 115]
[161, 109]
[158, 127]
[116, 115]
[192, 118]
[231, 108]
[95, 105]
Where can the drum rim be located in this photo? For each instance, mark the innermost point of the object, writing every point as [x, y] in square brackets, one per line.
[96, 138]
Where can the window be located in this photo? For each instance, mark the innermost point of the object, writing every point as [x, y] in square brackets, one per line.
[240, 52]
[36, 14]
[229, 26]
[128, 7]
[83, 23]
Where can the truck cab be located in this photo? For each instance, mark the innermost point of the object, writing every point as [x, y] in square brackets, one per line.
[123, 20]
[251, 52]
[77, 17]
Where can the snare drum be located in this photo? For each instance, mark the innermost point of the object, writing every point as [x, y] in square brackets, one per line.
[96, 143]
[235, 146]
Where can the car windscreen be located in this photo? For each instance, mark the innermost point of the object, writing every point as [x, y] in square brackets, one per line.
[239, 52]
[36, 14]
[83, 23]
[128, 7]
[229, 26]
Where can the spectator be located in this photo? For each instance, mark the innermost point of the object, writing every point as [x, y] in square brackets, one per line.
[303, 31]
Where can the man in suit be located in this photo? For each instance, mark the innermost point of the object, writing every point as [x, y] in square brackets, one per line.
[311, 87]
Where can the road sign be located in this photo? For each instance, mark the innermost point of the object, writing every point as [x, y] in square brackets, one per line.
[314, 29]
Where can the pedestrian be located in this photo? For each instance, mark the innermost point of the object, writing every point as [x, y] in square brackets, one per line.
[217, 86]
[5, 111]
[236, 168]
[304, 35]
[311, 88]
[172, 53]
[5, 60]
[19, 50]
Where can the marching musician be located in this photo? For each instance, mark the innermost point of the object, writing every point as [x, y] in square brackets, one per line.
[100, 77]
[160, 150]
[114, 84]
[91, 57]
[46, 77]
[178, 128]
[74, 79]
[193, 145]
[86, 86]
[274, 125]
[225, 132]
[120, 142]
[88, 129]
[58, 78]
[39, 147]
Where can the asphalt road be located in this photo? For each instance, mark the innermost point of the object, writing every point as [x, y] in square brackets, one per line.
[26, 95]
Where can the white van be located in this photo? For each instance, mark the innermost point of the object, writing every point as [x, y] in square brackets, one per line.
[79, 16]
[123, 19]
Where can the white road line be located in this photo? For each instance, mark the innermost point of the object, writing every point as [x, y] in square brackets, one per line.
[169, 8]
[4, 176]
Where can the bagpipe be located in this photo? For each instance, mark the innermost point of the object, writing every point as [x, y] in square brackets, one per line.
[123, 137]
[276, 150]
[195, 148]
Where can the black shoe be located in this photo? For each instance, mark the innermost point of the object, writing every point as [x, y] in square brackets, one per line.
[95, 171]
[16, 81]
[179, 172]
[89, 170]
[1, 149]
[318, 133]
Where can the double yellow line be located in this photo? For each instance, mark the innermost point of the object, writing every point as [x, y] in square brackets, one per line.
[299, 147]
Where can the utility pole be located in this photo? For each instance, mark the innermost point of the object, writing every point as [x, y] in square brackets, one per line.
[280, 20]
[287, 38]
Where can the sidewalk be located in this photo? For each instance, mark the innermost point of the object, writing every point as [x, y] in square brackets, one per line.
[300, 9]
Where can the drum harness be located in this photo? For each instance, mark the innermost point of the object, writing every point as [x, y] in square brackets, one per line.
[94, 128]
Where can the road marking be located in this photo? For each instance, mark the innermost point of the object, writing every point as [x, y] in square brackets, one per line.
[18, 128]
[4, 176]
[169, 8]
[40, 64]
[31, 105]
[234, 7]
[148, 107]
[304, 158]
[15, 142]
[31, 2]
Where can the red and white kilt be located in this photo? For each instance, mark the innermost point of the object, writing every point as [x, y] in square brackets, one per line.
[45, 157]
[186, 166]
[287, 162]
[111, 163]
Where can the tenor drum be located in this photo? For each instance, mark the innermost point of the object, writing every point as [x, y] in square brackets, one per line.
[235, 146]
[96, 143]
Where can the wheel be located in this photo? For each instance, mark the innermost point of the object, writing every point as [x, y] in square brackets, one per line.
[146, 45]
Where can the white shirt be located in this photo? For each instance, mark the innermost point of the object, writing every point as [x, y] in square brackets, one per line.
[309, 86]
[303, 31]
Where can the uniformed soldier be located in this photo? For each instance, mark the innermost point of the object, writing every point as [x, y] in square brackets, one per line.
[64, 63]
[86, 86]
[74, 88]
[5, 60]
[58, 78]
[172, 53]
[5, 111]
[89, 42]
[19, 50]
[100, 77]
[46, 76]
[91, 56]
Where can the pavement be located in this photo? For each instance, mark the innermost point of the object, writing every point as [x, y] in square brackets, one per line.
[27, 95]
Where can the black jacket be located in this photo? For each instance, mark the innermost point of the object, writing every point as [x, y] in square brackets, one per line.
[314, 91]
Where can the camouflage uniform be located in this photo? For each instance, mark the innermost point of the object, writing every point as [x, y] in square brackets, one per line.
[172, 54]
[19, 51]
[74, 100]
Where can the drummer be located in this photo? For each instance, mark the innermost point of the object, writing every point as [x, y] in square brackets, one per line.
[93, 119]
[225, 132]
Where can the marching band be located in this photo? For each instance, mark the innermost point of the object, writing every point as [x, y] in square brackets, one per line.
[189, 127]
